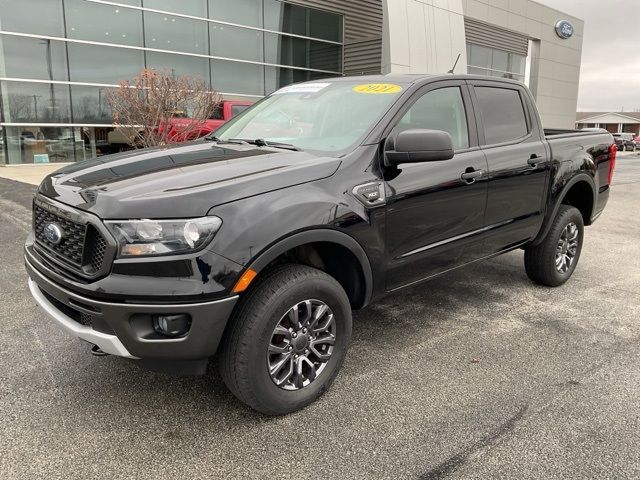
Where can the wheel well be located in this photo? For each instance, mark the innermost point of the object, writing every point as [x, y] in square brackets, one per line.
[333, 259]
[580, 196]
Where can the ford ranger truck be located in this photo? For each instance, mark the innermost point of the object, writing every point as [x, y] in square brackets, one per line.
[255, 245]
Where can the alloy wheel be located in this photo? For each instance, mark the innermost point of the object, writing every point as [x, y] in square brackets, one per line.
[567, 247]
[301, 344]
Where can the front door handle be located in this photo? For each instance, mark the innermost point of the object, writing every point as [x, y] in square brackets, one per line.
[534, 160]
[470, 176]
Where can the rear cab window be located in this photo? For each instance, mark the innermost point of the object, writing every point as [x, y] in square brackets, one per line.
[503, 115]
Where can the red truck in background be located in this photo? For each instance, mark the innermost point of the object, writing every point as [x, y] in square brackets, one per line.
[223, 112]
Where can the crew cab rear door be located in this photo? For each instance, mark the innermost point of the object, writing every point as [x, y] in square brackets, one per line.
[512, 139]
[434, 215]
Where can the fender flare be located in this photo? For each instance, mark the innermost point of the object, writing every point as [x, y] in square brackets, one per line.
[546, 226]
[318, 235]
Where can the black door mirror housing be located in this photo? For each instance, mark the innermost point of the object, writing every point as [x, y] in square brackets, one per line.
[420, 145]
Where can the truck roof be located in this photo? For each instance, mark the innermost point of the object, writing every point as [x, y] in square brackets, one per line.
[410, 79]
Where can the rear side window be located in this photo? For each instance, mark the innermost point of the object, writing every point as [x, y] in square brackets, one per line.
[441, 109]
[502, 113]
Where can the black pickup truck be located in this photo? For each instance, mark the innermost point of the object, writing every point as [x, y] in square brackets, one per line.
[255, 244]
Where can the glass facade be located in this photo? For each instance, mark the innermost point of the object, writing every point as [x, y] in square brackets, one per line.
[495, 63]
[57, 67]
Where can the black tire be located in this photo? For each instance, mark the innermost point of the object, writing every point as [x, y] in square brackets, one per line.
[243, 354]
[540, 260]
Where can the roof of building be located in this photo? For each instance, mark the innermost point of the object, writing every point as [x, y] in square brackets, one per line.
[593, 115]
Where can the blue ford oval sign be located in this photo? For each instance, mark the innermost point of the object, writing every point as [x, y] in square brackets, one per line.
[53, 233]
[564, 29]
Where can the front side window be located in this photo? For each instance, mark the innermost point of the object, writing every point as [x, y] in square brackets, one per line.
[441, 109]
[502, 114]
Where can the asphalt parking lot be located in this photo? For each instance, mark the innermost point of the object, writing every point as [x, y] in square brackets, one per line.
[477, 374]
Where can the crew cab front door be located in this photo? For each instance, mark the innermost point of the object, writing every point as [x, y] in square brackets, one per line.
[435, 210]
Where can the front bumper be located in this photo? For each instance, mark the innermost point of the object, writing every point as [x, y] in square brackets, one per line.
[125, 329]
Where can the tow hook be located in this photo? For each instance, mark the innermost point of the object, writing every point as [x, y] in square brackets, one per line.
[95, 350]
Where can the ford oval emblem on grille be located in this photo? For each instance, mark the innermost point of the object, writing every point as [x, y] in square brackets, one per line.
[53, 233]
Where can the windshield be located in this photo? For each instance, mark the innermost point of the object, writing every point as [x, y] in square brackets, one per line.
[324, 116]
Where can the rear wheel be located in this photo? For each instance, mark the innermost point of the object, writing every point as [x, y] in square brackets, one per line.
[553, 261]
[287, 340]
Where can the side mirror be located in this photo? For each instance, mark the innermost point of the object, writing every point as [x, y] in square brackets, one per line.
[420, 145]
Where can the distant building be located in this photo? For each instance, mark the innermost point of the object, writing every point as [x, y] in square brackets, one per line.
[60, 58]
[615, 122]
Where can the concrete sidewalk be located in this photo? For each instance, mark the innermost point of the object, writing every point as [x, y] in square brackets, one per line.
[32, 174]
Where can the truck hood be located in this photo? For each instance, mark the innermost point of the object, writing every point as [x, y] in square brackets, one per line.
[180, 181]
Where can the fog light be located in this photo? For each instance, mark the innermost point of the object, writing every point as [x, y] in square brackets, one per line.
[172, 325]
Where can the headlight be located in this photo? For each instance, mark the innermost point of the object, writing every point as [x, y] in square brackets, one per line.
[162, 237]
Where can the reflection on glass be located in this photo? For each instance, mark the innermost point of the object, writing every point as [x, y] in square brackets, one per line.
[276, 77]
[300, 117]
[309, 22]
[299, 52]
[2, 157]
[36, 103]
[235, 42]
[46, 58]
[285, 17]
[495, 63]
[500, 60]
[197, 8]
[43, 17]
[103, 23]
[99, 64]
[236, 77]
[480, 56]
[325, 25]
[243, 12]
[168, 32]
[90, 105]
[178, 65]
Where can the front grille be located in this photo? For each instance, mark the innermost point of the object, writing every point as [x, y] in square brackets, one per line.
[95, 249]
[72, 244]
[83, 249]
[85, 319]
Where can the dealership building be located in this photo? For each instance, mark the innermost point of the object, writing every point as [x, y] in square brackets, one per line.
[60, 58]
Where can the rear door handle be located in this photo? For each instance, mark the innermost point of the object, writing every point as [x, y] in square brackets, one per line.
[534, 160]
[470, 176]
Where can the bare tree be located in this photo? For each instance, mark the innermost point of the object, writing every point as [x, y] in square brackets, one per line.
[158, 108]
[22, 107]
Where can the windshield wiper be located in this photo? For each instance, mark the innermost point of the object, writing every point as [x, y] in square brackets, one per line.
[234, 141]
[260, 142]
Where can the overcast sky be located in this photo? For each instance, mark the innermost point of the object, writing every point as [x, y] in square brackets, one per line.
[610, 75]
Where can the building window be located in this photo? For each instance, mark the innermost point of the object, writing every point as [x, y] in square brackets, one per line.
[100, 64]
[35, 102]
[242, 48]
[168, 32]
[47, 59]
[40, 144]
[42, 17]
[235, 42]
[103, 23]
[90, 104]
[492, 62]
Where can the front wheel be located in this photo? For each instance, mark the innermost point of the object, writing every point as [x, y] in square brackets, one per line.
[287, 340]
[553, 261]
